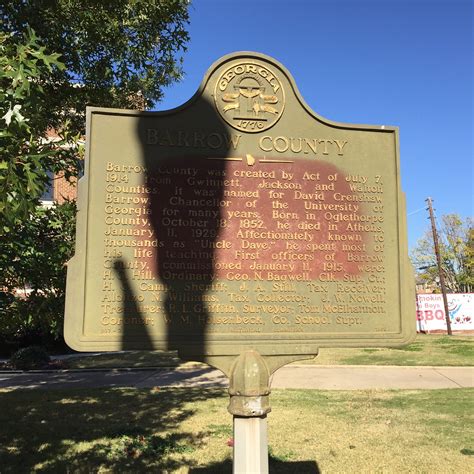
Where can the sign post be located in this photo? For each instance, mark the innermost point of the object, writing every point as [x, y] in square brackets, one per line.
[241, 229]
[249, 389]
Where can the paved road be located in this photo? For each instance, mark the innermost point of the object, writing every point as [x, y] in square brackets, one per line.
[293, 376]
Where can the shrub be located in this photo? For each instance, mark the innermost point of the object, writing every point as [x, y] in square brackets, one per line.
[33, 277]
[32, 357]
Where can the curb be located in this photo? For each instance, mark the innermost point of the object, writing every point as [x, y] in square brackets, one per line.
[69, 371]
[111, 369]
[408, 367]
[195, 367]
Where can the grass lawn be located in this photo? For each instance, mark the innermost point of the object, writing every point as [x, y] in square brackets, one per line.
[437, 350]
[427, 349]
[131, 430]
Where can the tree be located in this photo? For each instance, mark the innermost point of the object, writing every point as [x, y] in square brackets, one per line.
[34, 276]
[114, 50]
[26, 155]
[456, 242]
[57, 57]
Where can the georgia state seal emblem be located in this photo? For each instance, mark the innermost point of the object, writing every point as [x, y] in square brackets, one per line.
[249, 97]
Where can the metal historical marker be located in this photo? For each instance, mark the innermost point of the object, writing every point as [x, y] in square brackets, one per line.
[241, 229]
[239, 221]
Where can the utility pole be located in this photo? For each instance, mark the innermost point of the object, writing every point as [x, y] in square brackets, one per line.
[440, 269]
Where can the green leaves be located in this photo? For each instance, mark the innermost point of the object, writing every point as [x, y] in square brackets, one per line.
[24, 62]
[456, 243]
[56, 58]
[26, 156]
[114, 50]
[33, 257]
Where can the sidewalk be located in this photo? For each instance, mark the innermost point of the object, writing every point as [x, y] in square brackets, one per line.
[292, 376]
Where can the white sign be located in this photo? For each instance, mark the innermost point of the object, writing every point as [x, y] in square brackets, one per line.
[430, 313]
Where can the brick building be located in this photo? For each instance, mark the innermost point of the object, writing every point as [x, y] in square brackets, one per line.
[59, 189]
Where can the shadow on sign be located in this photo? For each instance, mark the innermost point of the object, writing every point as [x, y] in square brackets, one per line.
[184, 158]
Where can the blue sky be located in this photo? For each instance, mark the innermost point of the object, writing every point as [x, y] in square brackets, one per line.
[407, 63]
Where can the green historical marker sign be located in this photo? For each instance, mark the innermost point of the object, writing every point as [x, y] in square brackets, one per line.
[241, 220]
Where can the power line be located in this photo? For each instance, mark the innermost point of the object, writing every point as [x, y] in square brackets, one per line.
[418, 210]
